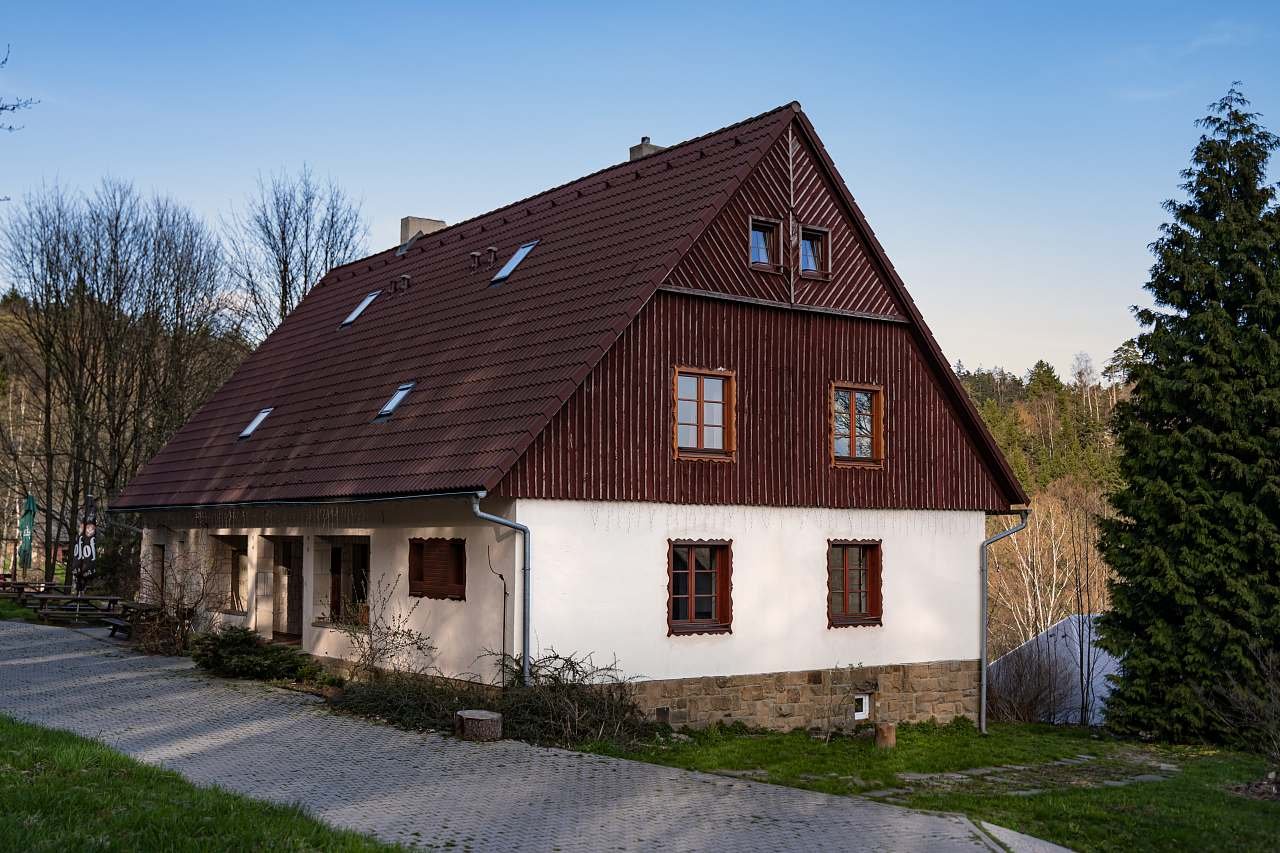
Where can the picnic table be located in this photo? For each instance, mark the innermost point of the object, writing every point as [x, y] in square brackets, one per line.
[62, 605]
[20, 590]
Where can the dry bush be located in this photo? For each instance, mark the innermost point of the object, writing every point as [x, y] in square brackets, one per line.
[1028, 688]
[1250, 709]
[184, 591]
[382, 635]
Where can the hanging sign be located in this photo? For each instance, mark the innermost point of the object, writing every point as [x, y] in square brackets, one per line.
[26, 530]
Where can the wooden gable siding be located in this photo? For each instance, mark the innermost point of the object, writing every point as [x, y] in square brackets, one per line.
[790, 170]
[612, 440]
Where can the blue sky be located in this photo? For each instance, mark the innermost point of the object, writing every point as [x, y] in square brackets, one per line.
[1012, 158]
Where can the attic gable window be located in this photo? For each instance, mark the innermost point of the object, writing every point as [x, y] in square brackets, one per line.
[814, 260]
[764, 243]
[396, 399]
[359, 309]
[514, 261]
[256, 422]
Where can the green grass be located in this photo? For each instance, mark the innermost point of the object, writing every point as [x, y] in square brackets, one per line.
[11, 610]
[1193, 807]
[61, 792]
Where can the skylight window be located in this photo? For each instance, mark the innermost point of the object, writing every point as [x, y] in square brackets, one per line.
[510, 266]
[359, 309]
[396, 399]
[255, 423]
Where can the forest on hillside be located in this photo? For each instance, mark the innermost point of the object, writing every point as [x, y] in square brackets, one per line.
[1055, 433]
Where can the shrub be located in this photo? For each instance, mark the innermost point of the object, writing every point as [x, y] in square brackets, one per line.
[569, 702]
[234, 652]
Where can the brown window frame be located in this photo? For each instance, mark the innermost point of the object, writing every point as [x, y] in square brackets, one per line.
[874, 614]
[774, 227]
[726, 453]
[722, 620]
[879, 444]
[420, 587]
[823, 271]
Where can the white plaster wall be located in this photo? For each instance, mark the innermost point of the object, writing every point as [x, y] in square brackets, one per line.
[461, 631]
[599, 584]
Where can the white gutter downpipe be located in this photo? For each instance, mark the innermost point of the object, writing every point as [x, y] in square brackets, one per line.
[982, 656]
[525, 644]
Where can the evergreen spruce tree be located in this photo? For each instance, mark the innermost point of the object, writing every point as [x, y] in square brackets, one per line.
[1196, 542]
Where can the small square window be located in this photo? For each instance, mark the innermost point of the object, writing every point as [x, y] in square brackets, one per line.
[764, 243]
[813, 252]
[698, 600]
[861, 709]
[438, 568]
[853, 584]
[704, 419]
[857, 424]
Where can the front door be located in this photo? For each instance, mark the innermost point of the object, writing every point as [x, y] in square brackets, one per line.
[287, 595]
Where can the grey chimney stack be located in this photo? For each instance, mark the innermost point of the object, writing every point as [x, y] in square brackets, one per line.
[411, 225]
[645, 148]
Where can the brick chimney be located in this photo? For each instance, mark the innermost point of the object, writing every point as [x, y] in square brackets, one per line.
[645, 148]
[411, 225]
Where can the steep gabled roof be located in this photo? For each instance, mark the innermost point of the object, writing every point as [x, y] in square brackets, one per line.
[491, 363]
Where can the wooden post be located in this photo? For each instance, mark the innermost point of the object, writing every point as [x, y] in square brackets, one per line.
[886, 735]
[478, 725]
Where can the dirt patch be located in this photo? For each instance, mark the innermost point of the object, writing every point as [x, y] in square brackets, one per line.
[1263, 789]
[1082, 771]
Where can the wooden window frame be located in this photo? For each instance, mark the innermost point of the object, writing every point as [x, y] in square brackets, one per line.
[455, 591]
[823, 272]
[875, 584]
[723, 624]
[775, 244]
[730, 450]
[879, 442]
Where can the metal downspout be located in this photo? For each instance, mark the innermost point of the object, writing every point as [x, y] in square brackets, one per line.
[525, 643]
[982, 656]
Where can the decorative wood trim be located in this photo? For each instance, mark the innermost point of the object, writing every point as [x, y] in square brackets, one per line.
[723, 593]
[773, 303]
[730, 402]
[879, 443]
[875, 585]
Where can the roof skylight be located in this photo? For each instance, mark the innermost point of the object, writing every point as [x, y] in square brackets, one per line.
[510, 266]
[256, 422]
[396, 399]
[359, 309]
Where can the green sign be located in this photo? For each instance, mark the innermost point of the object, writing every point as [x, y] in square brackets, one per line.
[26, 528]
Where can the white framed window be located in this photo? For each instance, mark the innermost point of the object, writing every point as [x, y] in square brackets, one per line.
[359, 309]
[255, 423]
[862, 706]
[396, 399]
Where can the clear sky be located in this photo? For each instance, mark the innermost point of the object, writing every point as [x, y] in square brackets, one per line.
[1012, 158]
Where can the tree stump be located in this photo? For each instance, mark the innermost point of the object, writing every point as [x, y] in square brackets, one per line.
[886, 735]
[478, 725]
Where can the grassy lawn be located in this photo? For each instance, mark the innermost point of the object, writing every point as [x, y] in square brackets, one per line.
[10, 609]
[60, 792]
[1030, 778]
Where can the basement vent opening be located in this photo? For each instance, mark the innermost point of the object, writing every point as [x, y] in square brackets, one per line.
[510, 266]
[256, 422]
[359, 309]
[396, 399]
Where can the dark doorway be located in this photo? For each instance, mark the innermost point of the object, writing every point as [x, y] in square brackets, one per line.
[287, 594]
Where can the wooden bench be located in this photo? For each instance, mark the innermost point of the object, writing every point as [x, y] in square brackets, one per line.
[119, 625]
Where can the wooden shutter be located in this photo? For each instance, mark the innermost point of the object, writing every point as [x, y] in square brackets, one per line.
[874, 598]
[438, 568]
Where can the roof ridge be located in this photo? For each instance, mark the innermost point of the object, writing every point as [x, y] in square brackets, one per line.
[792, 105]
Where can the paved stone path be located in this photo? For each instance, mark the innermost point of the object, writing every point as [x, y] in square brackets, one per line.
[420, 789]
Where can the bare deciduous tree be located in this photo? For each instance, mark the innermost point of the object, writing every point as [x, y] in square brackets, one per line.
[122, 326]
[382, 635]
[294, 230]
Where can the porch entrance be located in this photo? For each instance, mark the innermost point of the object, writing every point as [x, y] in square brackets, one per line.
[286, 599]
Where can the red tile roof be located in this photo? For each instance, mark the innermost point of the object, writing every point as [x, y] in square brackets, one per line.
[492, 363]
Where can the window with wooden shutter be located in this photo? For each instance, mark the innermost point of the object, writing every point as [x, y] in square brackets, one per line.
[853, 584]
[438, 568]
[699, 586]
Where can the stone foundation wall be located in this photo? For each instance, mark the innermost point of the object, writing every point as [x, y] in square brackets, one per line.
[817, 698]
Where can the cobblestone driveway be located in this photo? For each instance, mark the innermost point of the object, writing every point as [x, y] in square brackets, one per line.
[423, 789]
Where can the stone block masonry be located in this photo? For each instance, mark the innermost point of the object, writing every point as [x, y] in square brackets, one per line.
[817, 698]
